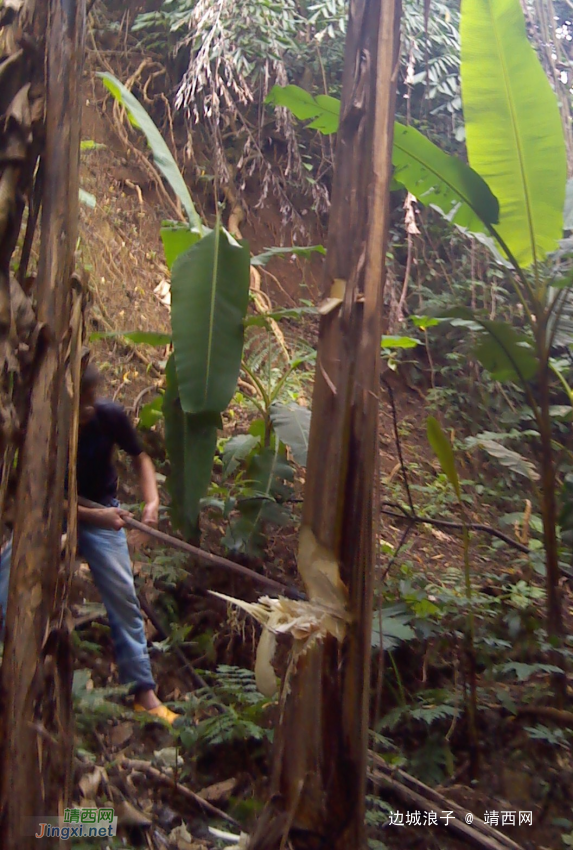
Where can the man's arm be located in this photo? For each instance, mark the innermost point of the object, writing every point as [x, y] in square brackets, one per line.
[111, 518]
[148, 484]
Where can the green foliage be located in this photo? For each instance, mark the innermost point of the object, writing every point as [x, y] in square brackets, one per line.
[433, 762]
[162, 156]
[377, 815]
[154, 338]
[427, 713]
[507, 457]
[507, 354]
[524, 671]
[399, 342]
[209, 300]
[292, 426]
[210, 295]
[190, 440]
[432, 176]
[151, 413]
[443, 450]
[236, 450]
[93, 705]
[553, 737]
[305, 251]
[323, 109]
[259, 500]
[233, 688]
[177, 238]
[90, 145]
[442, 181]
[513, 129]
[396, 628]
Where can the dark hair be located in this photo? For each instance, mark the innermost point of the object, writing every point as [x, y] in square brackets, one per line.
[90, 377]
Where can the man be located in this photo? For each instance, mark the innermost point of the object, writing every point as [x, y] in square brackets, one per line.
[101, 536]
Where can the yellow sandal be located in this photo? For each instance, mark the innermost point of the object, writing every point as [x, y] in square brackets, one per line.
[161, 712]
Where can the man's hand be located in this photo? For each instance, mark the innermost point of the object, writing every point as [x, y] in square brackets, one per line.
[110, 518]
[150, 516]
[151, 513]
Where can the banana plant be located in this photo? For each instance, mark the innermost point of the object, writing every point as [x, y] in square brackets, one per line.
[210, 273]
[511, 196]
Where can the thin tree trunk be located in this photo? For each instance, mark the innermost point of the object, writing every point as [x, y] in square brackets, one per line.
[549, 517]
[319, 766]
[37, 739]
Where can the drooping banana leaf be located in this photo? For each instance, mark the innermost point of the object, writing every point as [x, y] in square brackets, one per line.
[442, 181]
[161, 154]
[434, 177]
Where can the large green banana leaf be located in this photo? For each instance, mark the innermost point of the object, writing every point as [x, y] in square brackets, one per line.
[513, 129]
[191, 442]
[161, 153]
[431, 175]
[209, 299]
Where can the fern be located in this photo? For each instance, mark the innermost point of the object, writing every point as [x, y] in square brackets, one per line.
[433, 762]
[377, 811]
[93, 704]
[554, 737]
[428, 713]
[223, 729]
[235, 689]
[525, 671]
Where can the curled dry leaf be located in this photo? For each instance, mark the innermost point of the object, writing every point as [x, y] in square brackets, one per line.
[163, 293]
[90, 782]
[182, 839]
[128, 815]
[167, 757]
[265, 676]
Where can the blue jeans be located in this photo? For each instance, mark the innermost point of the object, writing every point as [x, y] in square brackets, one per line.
[107, 554]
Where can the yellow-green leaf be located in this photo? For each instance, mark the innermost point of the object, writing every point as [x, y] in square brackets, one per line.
[513, 128]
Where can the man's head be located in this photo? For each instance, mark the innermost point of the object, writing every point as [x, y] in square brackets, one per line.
[88, 392]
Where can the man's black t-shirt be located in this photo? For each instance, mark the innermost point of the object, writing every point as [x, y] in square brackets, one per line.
[109, 427]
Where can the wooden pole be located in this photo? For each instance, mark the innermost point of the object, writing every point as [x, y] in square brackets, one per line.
[319, 769]
[37, 738]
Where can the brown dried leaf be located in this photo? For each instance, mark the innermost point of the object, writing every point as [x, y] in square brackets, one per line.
[120, 734]
[90, 782]
[183, 840]
[128, 815]
[218, 792]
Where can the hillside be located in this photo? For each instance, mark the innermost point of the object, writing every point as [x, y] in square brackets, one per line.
[525, 753]
[339, 636]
